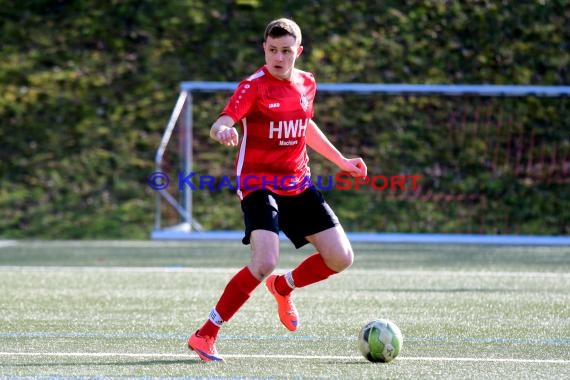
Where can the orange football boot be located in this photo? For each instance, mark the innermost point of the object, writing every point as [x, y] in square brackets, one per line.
[287, 310]
[204, 347]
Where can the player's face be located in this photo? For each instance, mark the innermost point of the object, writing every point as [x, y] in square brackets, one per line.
[280, 56]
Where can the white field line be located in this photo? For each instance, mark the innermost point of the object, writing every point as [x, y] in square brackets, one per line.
[459, 273]
[8, 243]
[254, 356]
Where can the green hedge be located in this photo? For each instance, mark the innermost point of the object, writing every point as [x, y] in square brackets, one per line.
[87, 88]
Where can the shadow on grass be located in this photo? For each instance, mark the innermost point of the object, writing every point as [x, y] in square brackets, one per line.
[360, 362]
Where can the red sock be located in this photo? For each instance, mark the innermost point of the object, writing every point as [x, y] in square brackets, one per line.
[312, 269]
[281, 285]
[236, 293]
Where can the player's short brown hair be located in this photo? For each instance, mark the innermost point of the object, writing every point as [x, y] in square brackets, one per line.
[283, 27]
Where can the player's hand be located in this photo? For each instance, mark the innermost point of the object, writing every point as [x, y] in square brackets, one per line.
[355, 167]
[228, 136]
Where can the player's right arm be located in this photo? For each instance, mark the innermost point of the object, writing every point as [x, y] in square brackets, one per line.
[224, 132]
[237, 108]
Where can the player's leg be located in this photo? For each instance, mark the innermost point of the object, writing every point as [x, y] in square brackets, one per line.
[308, 218]
[334, 254]
[258, 214]
[264, 253]
[264, 256]
[235, 294]
[312, 220]
[333, 247]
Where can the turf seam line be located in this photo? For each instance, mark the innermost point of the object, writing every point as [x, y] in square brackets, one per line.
[277, 356]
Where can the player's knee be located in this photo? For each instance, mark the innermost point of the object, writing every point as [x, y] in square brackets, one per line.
[347, 258]
[341, 260]
[263, 268]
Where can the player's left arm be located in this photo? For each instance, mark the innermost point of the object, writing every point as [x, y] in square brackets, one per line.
[317, 140]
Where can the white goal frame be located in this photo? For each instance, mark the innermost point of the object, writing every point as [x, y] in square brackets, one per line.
[190, 228]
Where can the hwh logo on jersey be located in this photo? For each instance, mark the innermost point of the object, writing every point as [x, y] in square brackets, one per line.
[286, 129]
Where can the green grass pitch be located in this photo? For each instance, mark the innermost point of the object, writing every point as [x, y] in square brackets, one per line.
[125, 309]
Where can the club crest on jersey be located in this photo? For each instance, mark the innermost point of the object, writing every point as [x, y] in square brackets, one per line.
[304, 102]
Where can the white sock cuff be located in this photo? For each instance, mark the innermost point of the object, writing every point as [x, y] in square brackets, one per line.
[215, 318]
[289, 280]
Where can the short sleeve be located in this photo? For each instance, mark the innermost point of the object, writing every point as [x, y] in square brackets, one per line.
[241, 101]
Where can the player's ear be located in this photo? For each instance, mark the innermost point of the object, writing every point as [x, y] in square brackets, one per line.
[299, 50]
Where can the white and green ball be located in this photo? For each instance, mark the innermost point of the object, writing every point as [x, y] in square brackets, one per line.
[380, 340]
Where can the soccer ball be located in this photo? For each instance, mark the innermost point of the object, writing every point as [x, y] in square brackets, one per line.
[380, 340]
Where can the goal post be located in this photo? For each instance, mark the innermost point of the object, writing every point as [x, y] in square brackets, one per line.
[180, 202]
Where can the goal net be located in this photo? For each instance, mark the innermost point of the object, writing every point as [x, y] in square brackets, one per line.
[485, 159]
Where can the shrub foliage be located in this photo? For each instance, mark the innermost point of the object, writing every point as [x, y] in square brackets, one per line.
[87, 88]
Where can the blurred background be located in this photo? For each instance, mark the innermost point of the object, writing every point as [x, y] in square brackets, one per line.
[87, 87]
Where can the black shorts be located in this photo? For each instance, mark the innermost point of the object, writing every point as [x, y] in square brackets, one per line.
[296, 215]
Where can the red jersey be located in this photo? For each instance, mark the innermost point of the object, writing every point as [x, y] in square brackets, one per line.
[274, 116]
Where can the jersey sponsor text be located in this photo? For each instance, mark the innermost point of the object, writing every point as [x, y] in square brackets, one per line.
[288, 128]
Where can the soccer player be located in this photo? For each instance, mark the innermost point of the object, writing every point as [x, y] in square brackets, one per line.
[274, 107]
